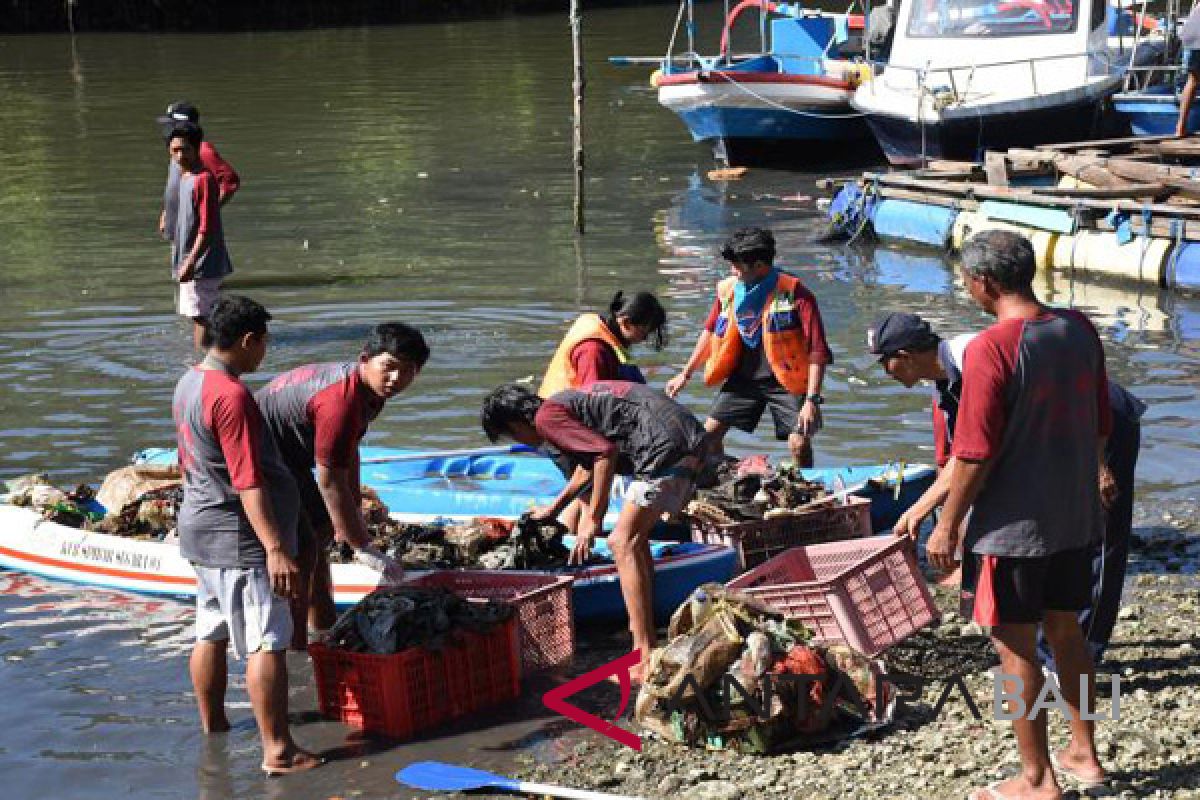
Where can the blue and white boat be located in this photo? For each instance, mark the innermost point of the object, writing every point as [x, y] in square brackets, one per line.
[1150, 98]
[967, 76]
[764, 107]
[36, 546]
[462, 485]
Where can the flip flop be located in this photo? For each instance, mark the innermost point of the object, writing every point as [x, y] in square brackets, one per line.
[1077, 781]
[279, 772]
[989, 792]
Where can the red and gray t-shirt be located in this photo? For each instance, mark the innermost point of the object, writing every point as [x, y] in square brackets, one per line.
[648, 431]
[318, 414]
[224, 448]
[1034, 404]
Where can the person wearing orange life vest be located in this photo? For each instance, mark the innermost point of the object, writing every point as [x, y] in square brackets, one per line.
[596, 348]
[764, 345]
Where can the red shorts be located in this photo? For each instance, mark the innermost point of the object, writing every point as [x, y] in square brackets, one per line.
[998, 590]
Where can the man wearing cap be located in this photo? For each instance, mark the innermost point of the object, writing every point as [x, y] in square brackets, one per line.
[764, 345]
[228, 181]
[910, 351]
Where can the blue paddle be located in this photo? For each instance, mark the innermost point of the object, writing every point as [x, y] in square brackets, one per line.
[435, 776]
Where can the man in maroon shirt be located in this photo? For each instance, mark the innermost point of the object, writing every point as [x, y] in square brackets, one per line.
[237, 527]
[1028, 447]
[764, 345]
[318, 414]
[611, 428]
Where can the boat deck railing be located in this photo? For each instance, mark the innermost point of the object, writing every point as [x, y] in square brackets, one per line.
[926, 77]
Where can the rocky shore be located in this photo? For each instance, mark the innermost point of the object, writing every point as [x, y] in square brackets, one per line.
[1151, 751]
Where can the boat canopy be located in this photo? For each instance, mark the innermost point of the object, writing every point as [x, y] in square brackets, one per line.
[978, 49]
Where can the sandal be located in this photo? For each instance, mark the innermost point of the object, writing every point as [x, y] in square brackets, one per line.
[989, 792]
[1077, 781]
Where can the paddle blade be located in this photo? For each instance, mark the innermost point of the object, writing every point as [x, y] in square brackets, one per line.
[434, 776]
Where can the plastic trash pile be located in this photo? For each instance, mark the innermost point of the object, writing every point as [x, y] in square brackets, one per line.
[751, 489]
[482, 543]
[394, 619]
[735, 674]
[147, 500]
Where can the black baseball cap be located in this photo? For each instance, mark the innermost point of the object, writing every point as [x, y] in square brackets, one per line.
[181, 111]
[894, 331]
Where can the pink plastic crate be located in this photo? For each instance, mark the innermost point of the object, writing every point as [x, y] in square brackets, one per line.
[867, 593]
[546, 618]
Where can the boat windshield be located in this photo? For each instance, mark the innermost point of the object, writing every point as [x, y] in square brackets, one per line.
[989, 19]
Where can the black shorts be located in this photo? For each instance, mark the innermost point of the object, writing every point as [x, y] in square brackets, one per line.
[999, 590]
[742, 405]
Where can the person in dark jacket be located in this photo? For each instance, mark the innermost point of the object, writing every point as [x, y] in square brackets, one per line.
[612, 428]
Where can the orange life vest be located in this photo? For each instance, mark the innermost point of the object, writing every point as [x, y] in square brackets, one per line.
[783, 338]
[561, 372]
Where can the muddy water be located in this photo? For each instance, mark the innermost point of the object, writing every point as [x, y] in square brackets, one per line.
[419, 173]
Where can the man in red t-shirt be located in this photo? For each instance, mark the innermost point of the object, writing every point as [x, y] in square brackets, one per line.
[318, 414]
[1028, 445]
[764, 345]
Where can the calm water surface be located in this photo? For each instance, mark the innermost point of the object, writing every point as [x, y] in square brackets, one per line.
[418, 173]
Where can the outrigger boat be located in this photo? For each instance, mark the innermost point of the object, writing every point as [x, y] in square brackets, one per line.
[762, 107]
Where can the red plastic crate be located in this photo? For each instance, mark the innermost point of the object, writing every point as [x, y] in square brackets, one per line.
[867, 593]
[403, 694]
[760, 540]
[544, 609]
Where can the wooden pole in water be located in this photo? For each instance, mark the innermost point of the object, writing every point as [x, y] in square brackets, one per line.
[577, 90]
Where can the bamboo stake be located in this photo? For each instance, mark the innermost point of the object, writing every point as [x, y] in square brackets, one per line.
[577, 86]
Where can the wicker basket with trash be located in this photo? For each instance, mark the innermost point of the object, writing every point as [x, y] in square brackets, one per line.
[406, 659]
[735, 674]
[868, 593]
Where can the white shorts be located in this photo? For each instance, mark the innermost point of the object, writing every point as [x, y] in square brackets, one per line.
[667, 495]
[237, 605]
[197, 298]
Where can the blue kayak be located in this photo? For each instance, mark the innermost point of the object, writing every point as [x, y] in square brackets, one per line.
[463, 485]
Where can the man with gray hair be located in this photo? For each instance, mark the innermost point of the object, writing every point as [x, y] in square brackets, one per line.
[1033, 419]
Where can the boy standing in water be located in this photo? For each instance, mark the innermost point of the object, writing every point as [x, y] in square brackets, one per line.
[199, 259]
[228, 180]
[237, 527]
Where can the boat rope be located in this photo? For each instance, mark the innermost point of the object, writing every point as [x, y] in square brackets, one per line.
[741, 86]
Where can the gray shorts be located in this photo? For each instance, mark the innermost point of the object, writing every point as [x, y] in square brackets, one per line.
[237, 605]
[742, 405]
[667, 495]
